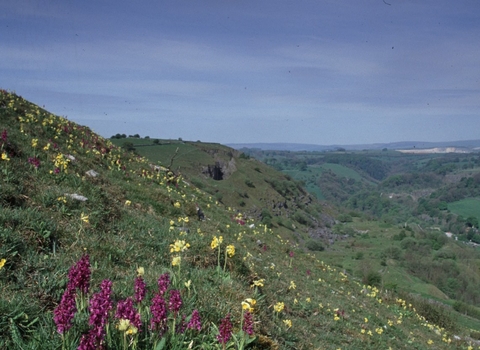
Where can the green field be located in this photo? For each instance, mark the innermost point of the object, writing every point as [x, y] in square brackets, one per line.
[466, 207]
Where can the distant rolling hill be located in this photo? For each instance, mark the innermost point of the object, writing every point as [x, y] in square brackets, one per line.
[471, 145]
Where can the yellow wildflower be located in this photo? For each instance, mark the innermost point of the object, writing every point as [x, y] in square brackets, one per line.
[258, 283]
[177, 205]
[176, 261]
[2, 263]
[5, 157]
[288, 323]
[84, 218]
[34, 143]
[379, 330]
[430, 342]
[230, 250]
[216, 242]
[179, 246]
[292, 285]
[132, 330]
[278, 307]
[140, 271]
[248, 304]
[123, 324]
[127, 202]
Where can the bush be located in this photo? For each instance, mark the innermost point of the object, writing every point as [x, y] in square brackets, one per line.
[314, 245]
[373, 278]
[392, 253]
[408, 243]
[436, 313]
[249, 183]
[345, 218]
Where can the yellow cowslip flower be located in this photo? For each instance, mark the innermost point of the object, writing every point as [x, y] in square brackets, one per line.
[132, 330]
[216, 242]
[288, 323]
[186, 219]
[292, 285]
[230, 250]
[2, 263]
[246, 306]
[177, 205]
[34, 143]
[84, 218]
[366, 320]
[179, 246]
[188, 284]
[172, 223]
[336, 318]
[176, 260]
[308, 300]
[123, 324]
[258, 283]
[47, 147]
[127, 202]
[379, 330]
[5, 157]
[430, 342]
[140, 271]
[278, 307]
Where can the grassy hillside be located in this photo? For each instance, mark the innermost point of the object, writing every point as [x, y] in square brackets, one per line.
[71, 198]
[466, 207]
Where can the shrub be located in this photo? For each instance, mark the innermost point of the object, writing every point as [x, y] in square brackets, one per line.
[392, 253]
[408, 243]
[249, 183]
[373, 278]
[314, 245]
[436, 313]
[345, 218]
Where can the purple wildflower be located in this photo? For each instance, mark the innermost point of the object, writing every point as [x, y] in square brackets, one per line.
[79, 274]
[100, 305]
[248, 323]
[225, 330]
[195, 322]
[65, 311]
[159, 313]
[34, 161]
[181, 326]
[140, 289]
[88, 341]
[290, 254]
[175, 302]
[126, 311]
[4, 135]
[163, 283]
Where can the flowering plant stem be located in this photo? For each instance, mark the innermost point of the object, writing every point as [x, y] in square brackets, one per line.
[225, 263]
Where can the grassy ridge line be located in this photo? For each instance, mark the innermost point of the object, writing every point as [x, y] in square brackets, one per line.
[127, 223]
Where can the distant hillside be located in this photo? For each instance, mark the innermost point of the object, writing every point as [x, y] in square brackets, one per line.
[471, 145]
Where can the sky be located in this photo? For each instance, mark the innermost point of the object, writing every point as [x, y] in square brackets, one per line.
[244, 71]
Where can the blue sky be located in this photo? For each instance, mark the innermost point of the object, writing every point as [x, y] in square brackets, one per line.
[231, 71]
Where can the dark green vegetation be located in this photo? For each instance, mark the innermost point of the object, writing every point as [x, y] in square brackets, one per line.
[390, 186]
[334, 289]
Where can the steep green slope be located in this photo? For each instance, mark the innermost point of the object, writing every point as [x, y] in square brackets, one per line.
[68, 195]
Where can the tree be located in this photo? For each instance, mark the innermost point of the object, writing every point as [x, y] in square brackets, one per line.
[471, 221]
